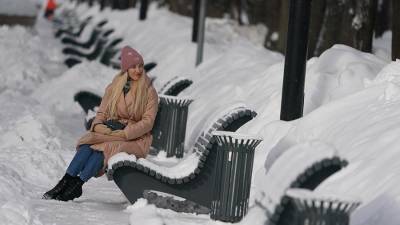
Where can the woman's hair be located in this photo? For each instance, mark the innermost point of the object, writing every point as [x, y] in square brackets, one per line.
[139, 105]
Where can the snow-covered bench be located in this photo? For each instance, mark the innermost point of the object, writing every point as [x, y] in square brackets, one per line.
[90, 54]
[110, 51]
[169, 128]
[191, 178]
[302, 166]
[175, 86]
[74, 31]
[103, 54]
[317, 208]
[72, 42]
[94, 32]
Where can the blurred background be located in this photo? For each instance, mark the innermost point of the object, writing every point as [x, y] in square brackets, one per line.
[355, 23]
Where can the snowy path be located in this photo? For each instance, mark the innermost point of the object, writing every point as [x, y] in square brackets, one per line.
[352, 105]
[101, 203]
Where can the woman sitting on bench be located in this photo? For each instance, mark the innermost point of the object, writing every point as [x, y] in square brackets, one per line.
[122, 124]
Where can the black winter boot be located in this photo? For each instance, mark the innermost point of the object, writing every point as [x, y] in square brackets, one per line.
[72, 190]
[52, 194]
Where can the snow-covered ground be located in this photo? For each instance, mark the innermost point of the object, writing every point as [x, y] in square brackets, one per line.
[352, 110]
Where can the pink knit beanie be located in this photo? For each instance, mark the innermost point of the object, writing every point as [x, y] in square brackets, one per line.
[129, 58]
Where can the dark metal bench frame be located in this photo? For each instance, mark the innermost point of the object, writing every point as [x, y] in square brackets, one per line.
[198, 185]
[309, 179]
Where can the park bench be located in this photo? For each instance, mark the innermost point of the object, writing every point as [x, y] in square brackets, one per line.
[75, 30]
[175, 86]
[294, 169]
[314, 208]
[110, 51]
[104, 50]
[94, 31]
[90, 55]
[194, 178]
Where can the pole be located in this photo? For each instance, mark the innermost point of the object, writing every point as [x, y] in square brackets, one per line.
[295, 60]
[195, 15]
[200, 35]
[143, 9]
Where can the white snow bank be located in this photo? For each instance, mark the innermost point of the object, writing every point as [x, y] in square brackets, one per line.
[87, 76]
[273, 182]
[29, 156]
[382, 46]
[17, 212]
[26, 60]
[29, 137]
[338, 72]
[363, 128]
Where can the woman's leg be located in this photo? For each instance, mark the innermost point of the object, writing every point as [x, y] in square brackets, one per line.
[93, 165]
[80, 159]
[76, 165]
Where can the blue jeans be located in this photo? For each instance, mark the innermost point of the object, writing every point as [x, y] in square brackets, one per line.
[86, 163]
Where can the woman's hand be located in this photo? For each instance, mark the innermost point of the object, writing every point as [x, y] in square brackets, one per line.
[118, 133]
[102, 129]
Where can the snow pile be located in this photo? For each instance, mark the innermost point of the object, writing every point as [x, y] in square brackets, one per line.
[143, 213]
[286, 169]
[381, 46]
[26, 61]
[29, 161]
[59, 93]
[17, 213]
[363, 128]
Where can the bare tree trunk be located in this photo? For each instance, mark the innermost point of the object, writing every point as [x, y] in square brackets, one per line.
[348, 22]
[396, 30]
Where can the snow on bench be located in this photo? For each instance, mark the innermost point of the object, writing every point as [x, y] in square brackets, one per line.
[317, 208]
[186, 169]
[304, 165]
[174, 86]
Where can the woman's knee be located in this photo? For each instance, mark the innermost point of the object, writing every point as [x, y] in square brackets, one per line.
[85, 147]
[98, 156]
